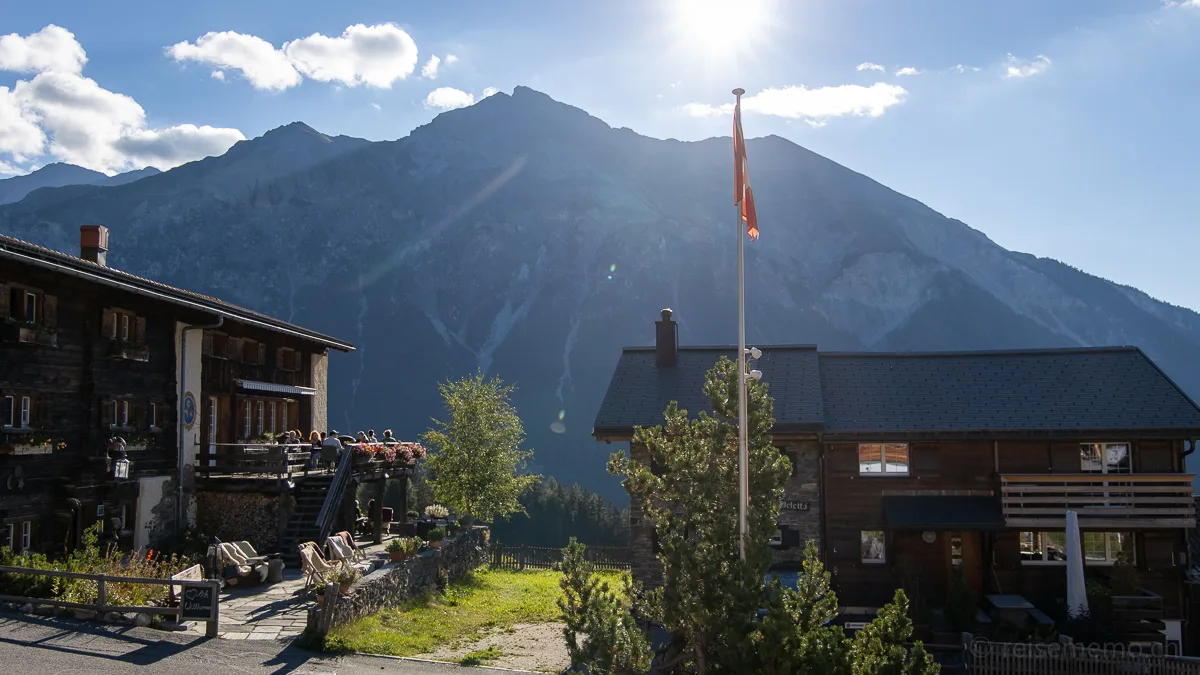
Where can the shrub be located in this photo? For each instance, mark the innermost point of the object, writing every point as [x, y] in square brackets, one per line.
[436, 534]
[397, 545]
[601, 633]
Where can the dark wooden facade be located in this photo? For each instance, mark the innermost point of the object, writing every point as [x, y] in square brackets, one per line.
[93, 362]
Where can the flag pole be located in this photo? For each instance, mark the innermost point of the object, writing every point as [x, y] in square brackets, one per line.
[743, 436]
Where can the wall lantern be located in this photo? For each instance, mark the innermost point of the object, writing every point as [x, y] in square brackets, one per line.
[120, 467]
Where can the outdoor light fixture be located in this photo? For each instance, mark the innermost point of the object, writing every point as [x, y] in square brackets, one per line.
[120, 468]
[754, 352]
[755, 375]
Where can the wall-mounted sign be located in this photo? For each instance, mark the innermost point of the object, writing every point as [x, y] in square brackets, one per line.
[855, 625]
[793, 506]
[189, 411]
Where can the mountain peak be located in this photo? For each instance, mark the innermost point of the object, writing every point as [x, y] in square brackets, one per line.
[526, 111]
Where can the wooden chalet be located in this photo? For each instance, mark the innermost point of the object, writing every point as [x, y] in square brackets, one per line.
[89, 353]
[909, 467]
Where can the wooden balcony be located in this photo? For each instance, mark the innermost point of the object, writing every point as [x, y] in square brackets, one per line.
[1113, 501]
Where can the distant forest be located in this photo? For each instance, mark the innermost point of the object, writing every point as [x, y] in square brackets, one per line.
[557, 512]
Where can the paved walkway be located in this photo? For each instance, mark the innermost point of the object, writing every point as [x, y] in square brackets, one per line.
[269, 612]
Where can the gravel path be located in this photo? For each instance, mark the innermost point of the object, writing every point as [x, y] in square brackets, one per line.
[526, 646]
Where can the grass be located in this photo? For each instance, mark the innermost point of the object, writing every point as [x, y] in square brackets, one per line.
[481, 656]
[483, 600]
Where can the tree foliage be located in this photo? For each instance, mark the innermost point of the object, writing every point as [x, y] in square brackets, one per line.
[556, 513]
[601, 633]
[475, 455]
[710, 599]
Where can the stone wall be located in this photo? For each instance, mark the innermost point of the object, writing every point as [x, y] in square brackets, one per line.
[238, 516]
[393, 583]
[645, 567]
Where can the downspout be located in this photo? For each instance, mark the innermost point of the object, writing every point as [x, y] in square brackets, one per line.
[183, 390]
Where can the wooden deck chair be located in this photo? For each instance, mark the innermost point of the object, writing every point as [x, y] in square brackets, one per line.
[314, 566]
[247, 550]
[343, 554]
[359, 554]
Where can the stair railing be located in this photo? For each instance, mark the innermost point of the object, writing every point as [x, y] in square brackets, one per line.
[333, 497]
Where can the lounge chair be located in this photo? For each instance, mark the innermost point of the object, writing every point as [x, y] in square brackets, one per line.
[247, 550]
[232, 557]
[359, 554]
[314, 566]
[344, 554]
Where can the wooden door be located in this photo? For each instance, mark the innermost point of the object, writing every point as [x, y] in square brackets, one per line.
[965, 553]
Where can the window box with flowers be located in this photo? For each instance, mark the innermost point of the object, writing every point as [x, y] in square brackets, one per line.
[32, 445]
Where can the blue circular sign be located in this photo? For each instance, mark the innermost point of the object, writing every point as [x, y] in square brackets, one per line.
[189, 410]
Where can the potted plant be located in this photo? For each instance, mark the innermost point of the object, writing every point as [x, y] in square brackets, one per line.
[400, 548]
[412, 515]
[319, 589]
[362, 453]
[347, 577]
[436, 511]
[435, 537]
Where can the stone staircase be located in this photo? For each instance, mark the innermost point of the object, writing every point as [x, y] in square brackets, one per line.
[302, 526]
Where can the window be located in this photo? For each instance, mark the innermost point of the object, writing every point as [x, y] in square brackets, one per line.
[212, 419]
[125, 327]
[1105, 548]
[30, 307]
[261, 405]
[956, 549]
[272, 417]
[8, 411]
[1105, 458]
[1099, 548]
[883, 458]
[283, 417]
[26, 534]
[124, 413]
[872, 546]
[153, 415]
[112, 414]
[777, 540]
[6, 541]
[246, 419]
[25, 405]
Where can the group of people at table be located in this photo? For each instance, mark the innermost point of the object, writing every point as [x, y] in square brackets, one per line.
[331, 446]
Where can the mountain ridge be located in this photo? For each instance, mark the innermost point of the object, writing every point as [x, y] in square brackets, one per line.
[526, 238]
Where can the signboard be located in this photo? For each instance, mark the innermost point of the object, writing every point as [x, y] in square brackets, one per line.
[855, 625]
[793, 506]
[189, 411]
[198, 603]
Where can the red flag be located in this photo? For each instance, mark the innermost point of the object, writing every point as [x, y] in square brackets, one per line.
[742, 194]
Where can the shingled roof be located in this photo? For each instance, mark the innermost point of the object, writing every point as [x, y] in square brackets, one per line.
[25, 252]
[1034, 392]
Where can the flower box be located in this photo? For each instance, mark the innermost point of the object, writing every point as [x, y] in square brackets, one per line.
[124, 351]
[28, 449]
[29, 334]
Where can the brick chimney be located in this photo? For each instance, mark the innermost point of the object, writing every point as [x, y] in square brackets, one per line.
[93, 243]
[666, 340]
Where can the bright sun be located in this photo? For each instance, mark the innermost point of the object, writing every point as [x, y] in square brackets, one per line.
[719, 25]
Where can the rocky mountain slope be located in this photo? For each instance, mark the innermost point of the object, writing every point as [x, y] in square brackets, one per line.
[525, 238]
[58, 174]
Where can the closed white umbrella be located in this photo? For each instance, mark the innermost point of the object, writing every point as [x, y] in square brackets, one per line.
[1077, 603]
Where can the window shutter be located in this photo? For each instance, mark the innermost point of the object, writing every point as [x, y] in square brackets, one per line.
[140, 330]
[137, 416]
[233, 349]
[262, 354]
[4, 301]
[35, 413]
[16, 306]
[106, 413]
[791, 538]
[279, 365]
[296, 357]
[49, 311]
[108, 326]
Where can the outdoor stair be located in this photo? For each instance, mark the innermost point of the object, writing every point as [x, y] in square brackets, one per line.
[302, 526]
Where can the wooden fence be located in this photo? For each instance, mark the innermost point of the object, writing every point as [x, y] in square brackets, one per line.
[1070, 658]
[603, 558]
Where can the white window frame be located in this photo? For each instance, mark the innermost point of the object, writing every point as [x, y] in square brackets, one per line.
[883, 464]
[11, 403]
[283, 417]
[246, 419]
[124, 414]
[115, 417]
[26, 535]
[261, 407]
[124, 326]
[30, 308]
[273, 413]
[1111, 548]
[1104, 470]
[112, 333]
[9, 533]
[882, 544]
[153, 415]
[26, 409]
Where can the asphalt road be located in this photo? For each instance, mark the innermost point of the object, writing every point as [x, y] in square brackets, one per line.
[36, 645]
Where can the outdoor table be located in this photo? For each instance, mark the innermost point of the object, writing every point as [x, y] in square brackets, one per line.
[1011, 608]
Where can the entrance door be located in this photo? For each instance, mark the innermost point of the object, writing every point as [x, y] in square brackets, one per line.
[964, 553]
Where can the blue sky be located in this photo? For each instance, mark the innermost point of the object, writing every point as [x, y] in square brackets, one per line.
[1064, 129]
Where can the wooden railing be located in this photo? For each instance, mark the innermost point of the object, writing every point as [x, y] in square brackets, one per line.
[1069, 658]
[248, 459]
[603, 558]
[1131, 500]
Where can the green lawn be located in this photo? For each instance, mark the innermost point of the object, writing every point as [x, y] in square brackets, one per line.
[483, 600]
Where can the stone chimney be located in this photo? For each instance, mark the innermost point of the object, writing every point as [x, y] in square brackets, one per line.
[666, 340]
[93, 244]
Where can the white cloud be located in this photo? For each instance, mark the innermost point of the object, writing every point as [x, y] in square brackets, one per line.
[376, 56]
[259, 62]
[376, 106]
[908, 70]
[51, 48]
[869, 66]
[451, 59]
[447, 98]
[1015, 67]
[218, 75]
[430, 69]
[813, 105]
[71, 118]
[488, 91]
[9, 170]
[962, 69]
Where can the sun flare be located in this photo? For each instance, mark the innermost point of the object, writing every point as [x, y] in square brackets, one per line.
[719, 25]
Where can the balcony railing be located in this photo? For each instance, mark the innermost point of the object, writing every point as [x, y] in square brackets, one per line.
[1131, 500]
[238, 459]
